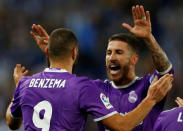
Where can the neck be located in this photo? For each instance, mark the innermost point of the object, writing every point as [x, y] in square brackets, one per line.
[126, 78]
[62, 65]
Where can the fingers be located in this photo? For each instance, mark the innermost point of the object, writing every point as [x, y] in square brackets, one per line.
[168, 78]
[36, 30]
[148, 16]
[134, 13]
[20, 69]
[127, 26]
[142, 11]
[155, 80]
[17, 68]
[159, 88]
[26, 72]
[39, 30]
[179, 101]
[34, 36]
[139, 13]
[165, 82]
[43, 31]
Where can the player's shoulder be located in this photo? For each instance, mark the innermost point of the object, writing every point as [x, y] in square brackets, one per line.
[81, 80]
[24, 80]
[172, 111]
[102, 82]
[22, 84]
[169, 114]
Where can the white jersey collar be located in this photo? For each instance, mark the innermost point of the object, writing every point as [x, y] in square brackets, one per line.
[124, 86]
[54, 70]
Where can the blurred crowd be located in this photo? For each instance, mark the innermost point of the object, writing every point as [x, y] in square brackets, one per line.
[93, 22]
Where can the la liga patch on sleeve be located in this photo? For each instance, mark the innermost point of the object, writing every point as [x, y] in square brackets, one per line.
[105, 101]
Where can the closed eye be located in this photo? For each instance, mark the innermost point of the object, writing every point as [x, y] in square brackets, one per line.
[108, 52]
[119, 51]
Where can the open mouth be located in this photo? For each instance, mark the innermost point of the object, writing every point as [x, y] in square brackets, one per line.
[114, 69]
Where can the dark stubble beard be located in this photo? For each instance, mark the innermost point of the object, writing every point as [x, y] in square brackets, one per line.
[124, 76]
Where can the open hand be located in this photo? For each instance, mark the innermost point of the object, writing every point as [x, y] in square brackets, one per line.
[41, 37]
[159, 88]
[142, 23]
[19, 72]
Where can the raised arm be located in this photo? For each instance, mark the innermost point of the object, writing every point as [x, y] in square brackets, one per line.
[157, 90]
[41, 37]
[142, 29]
[14, 122]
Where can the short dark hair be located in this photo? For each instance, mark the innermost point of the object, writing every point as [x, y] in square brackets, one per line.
[131, 39]
[61, 42]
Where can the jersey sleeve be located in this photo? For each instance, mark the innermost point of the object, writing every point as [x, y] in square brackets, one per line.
[94, 101]
[15, 109]
[150, 77]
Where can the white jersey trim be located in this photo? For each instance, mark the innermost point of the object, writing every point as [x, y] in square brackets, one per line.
[106, 116]
[166, 71]
[172, 109]
[124, 86]
[54, 70]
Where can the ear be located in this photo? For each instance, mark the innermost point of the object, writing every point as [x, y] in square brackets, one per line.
[135, 59]
[74, 53]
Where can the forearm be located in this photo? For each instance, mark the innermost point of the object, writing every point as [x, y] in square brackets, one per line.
[133, 118]
[159, 57]
[13, 123]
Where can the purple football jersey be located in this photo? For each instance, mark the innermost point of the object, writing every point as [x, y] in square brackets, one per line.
[171, 120]
[128, 97]
[55, 100]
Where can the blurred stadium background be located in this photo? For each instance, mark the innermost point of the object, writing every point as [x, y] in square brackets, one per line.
[93, 21]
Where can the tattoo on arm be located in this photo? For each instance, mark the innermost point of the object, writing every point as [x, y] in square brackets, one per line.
[160, 61]
[159, 57]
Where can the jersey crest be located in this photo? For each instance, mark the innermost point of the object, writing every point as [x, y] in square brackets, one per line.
[132, 98]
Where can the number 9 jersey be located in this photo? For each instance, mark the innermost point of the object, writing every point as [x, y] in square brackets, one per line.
[55, 100]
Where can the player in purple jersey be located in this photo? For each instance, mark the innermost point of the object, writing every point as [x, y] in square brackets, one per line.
[170, 120]
[57, 100]
[126, 89]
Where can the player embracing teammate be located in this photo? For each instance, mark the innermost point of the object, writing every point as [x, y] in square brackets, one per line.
[42, 100]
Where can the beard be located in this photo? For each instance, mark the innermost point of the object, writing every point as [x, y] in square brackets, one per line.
[123, 76]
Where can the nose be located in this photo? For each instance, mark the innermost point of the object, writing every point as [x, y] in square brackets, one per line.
[112, 57]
